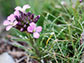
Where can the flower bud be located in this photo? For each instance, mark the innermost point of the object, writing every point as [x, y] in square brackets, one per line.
[29, 13]
[17, 18]
[22, 29]
[38, 16]
[29, 19]
[36, 19]
[32, 16]
[25, 26]
[22, 14]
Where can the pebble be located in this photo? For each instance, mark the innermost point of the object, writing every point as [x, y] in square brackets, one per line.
[6, 58]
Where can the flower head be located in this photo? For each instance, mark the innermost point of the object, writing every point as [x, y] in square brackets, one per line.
[35, 30]
[23, 21]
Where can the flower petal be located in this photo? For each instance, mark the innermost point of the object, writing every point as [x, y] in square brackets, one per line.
[30, 29]
[36, 35]
[8, 28]
[11, 17]
[18, 8]
[38, 29]
[16, 13]
[6, 22]
[33, 25]
[26, 7]
[15, 22]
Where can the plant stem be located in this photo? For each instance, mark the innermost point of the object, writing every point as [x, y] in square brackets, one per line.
[33, 42]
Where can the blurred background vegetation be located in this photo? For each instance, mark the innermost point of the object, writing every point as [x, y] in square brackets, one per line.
[37, 6]
[7, 6]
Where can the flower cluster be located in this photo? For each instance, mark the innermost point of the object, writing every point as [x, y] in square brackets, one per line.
[23, 21]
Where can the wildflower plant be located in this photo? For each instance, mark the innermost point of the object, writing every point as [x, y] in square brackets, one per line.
[24, 22]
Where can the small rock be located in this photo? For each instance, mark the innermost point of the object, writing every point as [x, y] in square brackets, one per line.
[6, 58]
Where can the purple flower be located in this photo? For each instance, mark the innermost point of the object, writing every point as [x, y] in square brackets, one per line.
[35, 30]
[10, 22]
[36, 19]
[22, 9]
